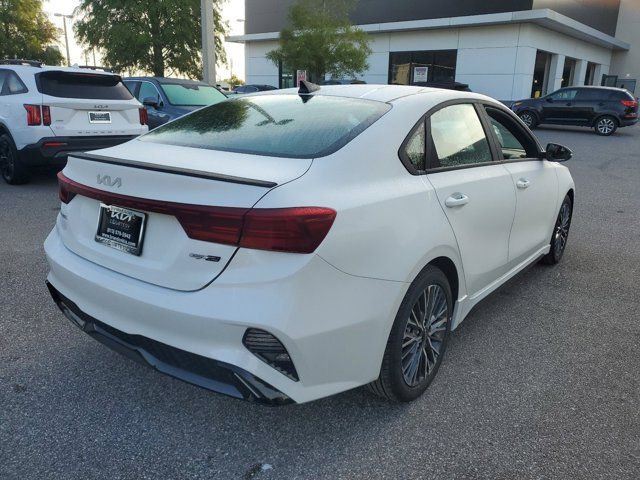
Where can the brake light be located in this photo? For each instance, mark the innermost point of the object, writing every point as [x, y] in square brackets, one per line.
[65, 194]
[46, 115]
[33, 115]
[144, 116]
[630, 103]
[294, 230]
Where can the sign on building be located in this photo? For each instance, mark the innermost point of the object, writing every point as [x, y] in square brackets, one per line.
[420, 74]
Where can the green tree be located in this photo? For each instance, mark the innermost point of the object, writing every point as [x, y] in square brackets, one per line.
[157, 36]
[234, 81]
[320, 38]
[26, 32]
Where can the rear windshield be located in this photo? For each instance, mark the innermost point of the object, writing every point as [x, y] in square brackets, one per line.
[191, 95]
[273, 125]
[82, 85]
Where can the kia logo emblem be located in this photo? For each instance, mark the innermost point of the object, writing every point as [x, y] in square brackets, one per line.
[108, 181]
[125, 217]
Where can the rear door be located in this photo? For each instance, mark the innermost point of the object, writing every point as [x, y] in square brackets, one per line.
[476, 193]
[88, 104]
[535, 184]
[587, 103]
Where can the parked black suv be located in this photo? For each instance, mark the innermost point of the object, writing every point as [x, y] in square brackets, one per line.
[603, 108]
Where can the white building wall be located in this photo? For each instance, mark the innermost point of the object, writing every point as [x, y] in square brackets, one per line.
[626, 64]
[494, 60]
[258, 69]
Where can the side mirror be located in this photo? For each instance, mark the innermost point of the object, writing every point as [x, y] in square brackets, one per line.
[557, 153]
[151, 102]
[549, 99]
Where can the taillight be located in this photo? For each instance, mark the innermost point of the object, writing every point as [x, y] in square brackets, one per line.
[296, 230]
[630, 103]
[144, 116]
[33, 115]
[46, 115]
[63, 191]
[293, 230]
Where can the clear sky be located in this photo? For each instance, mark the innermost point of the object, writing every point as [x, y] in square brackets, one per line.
[233, 10]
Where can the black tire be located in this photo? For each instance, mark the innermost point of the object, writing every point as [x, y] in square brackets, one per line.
[606, 125]
[392, 383]
[529, 118]
[13, 171]
[560, 234]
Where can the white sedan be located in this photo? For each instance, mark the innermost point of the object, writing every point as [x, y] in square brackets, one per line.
[289, 245]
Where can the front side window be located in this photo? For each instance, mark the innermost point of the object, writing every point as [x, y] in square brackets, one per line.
[563, 95]
[273, 125]
[458, 137]
[191, 95]
[514, 143]
[148, 90]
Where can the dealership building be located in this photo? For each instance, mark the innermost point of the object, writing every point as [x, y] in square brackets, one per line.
[508, 49]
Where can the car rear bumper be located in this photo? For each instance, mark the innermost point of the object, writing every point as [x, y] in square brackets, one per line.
[627, 122]
[202, 371]
[333, 325]
[54, 150]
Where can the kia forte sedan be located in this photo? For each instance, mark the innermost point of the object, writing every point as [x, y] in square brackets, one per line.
[286, 246]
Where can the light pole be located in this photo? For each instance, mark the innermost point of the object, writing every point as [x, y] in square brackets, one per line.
[208, 42]
[66, 38]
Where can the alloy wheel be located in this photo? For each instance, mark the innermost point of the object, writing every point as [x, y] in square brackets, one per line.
[424, 335]
[562, 229]
[606, 126]
[6, 161]
[527, 119]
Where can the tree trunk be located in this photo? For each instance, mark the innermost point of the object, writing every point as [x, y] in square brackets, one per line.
[157, 60]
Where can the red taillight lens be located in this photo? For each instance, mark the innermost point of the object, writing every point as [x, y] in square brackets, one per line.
[33, 115]
[46, 115]
[296, 230]
[629, 103]
[63, 191]
[144, 116]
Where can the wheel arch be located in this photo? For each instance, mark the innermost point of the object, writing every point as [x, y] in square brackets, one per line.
[606, 114]
[450, 271]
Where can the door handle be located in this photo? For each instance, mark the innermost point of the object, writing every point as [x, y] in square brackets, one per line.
[456, 200]
[523, 183]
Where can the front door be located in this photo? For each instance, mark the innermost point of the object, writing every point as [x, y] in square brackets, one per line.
[476, 194]
[535, 183]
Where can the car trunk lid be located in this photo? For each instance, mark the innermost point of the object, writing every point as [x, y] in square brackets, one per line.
[171, 186]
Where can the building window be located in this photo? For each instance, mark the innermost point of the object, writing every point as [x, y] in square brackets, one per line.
[540, 74]
[589, 75]
[568, 71]
[415, 68]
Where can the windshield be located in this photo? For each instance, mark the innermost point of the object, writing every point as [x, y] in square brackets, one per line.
[191, 95]
[273, 125]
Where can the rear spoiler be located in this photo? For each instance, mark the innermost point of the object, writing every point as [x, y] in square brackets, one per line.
[187, 172]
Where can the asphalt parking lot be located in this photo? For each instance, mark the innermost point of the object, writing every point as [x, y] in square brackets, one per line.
[541, 381]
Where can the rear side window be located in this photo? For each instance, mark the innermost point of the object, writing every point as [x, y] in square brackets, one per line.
[82, 85]
[10, 83]
[587, 94]
[458, 137]
[273, 125]
[620, 95]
